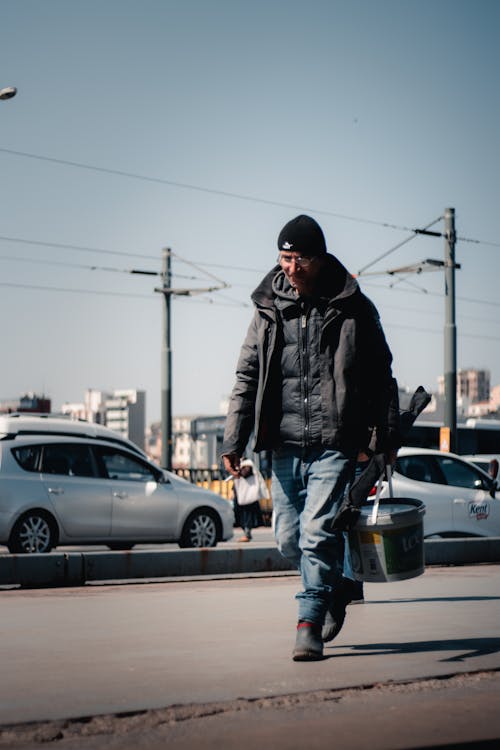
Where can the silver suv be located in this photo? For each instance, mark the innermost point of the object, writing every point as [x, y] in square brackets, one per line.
[57, 490]
[20, 424]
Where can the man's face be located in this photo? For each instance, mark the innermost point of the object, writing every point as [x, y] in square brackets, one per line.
[302, 271]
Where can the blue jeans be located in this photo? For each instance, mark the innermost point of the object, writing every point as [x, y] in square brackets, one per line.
[307, 487]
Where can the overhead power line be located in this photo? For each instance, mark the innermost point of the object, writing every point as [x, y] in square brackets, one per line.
[433, 294]
[191, 186]
[223, 193]
[83, 267]
[415, 233]
[440, 332]
[73, 291]
[79, 248]
[68, 290]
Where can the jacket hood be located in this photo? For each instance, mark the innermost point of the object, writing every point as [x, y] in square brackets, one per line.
[336, 283]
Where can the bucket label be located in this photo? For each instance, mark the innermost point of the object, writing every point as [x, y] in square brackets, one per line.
[404, 549]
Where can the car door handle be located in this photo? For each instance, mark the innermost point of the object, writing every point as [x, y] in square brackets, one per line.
[121, 495]
[56, 490]
[459, 501]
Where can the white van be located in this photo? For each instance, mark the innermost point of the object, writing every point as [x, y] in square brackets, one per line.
[21, 424]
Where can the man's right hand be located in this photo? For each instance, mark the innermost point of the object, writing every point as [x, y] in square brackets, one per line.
[232, 463]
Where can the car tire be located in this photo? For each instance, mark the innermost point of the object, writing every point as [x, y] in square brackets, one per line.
[116, 546]
[34, 532]
[202, 529]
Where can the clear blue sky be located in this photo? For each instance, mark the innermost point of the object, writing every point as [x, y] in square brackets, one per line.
[384, 111]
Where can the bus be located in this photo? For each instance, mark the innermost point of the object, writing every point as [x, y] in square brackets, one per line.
[473, 436]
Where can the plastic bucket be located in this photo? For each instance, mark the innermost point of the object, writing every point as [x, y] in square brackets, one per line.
[392, 547]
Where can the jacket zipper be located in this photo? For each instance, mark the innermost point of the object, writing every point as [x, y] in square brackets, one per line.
[305, 373]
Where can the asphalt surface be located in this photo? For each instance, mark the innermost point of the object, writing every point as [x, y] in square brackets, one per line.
[207, 663]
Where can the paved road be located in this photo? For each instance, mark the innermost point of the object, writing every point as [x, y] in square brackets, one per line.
[112, 649]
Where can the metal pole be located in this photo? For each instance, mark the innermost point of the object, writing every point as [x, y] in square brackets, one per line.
[450, 330]
[166, 366]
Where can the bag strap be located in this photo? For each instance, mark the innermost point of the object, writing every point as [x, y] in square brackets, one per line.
[388, 470]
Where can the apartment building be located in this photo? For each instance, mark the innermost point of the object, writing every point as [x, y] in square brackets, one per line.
[123, 411]
[473, 385]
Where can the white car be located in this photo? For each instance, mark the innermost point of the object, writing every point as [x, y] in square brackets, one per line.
[58, 490]
[460, 499]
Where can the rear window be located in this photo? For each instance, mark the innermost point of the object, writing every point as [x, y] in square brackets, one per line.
[28, 457]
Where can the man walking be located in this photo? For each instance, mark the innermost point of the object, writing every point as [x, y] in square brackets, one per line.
[314, 385]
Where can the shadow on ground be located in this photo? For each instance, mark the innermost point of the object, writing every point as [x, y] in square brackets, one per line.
[470, 647]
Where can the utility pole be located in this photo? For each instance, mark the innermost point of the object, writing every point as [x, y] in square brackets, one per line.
[166, 365]
[166, 352]
[448, 438]
[450, 331]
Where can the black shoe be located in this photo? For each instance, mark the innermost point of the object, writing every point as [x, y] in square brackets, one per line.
[308, 644]
[334, 619]
[356, 592]
[335, 614]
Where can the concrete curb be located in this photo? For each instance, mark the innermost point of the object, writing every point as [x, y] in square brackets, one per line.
[79, 568]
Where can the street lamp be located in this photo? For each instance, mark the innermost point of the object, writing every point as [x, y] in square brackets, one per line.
[8, 92]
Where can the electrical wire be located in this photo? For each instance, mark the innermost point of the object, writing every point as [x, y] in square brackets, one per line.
[435, 294]
[45, 262]
[80, 248]
[38, 287]
[66, 264]
[440, 332]
[232, 194]
[73, 291]
[415, 233]
[199, 188]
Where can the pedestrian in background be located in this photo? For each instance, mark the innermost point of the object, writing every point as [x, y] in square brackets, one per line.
[314, 385]
[249, 489]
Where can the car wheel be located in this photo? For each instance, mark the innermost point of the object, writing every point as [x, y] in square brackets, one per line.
[34, 532]
[116, 546]
[201, 529]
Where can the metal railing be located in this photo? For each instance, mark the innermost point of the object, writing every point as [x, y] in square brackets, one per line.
[216, 481]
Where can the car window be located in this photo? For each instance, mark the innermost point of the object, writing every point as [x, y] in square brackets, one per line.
[459, 474]
[68, 459]
[120, 465]
[419, 468]
[28, 457]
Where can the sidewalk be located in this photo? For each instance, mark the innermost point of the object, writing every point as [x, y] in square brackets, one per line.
[183, 646]
[80, 566]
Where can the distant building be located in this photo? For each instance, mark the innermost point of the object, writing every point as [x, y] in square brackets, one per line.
[123, 411]
[153, 442]
[495, 398]
[30, 403]
[197, 441]
[479, 409]
[472, 384]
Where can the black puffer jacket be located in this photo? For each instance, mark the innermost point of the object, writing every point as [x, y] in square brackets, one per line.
[358, 395]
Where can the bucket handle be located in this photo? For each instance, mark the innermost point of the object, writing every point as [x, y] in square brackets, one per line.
[388, 469]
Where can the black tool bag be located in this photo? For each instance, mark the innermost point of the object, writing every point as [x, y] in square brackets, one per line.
[349, 511]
